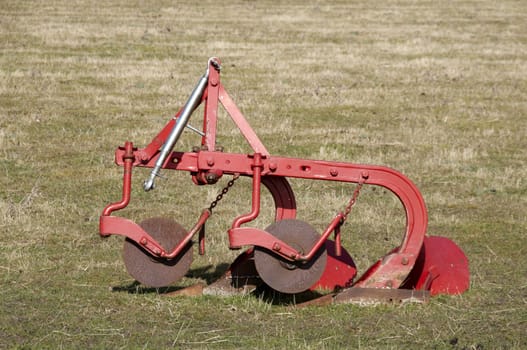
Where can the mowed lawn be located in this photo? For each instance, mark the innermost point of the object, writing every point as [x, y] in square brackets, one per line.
[436, 90]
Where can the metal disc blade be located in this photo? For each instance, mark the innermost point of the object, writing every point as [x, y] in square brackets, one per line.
[283, 275]
[152, 271]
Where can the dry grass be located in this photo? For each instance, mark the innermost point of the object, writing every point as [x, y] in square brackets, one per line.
[435, 90]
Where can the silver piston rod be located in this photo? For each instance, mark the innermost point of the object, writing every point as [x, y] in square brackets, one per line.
[192, 103]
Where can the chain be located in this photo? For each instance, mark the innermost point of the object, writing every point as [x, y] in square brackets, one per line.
[223, 192]
[353, 199]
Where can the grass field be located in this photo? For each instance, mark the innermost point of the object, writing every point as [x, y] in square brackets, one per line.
[437, 90]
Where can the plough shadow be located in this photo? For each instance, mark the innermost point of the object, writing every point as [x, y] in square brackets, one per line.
[273, 297]
[211, 273]
[207, 273]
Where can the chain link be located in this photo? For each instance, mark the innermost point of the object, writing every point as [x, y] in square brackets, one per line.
[353, 199]
[223, 192]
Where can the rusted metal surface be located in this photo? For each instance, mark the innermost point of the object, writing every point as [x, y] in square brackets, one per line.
[370, 296]
[286, 276]
[241, 278]
[156, 271]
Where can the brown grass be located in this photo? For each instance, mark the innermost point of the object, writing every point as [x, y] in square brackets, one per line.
[435, 90]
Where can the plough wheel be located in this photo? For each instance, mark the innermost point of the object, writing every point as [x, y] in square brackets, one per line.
[153, 271]
[285, 276]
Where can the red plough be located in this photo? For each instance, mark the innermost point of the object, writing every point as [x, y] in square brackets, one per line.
[289, 256]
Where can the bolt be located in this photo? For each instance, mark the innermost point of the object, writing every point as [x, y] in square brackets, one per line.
[333, 172]
[289, 266]
[211, 178]
[142, 156]
[273, 166]
[210, 161]
[365, 174]
[404, 261]
[276, 247]
[143, 241]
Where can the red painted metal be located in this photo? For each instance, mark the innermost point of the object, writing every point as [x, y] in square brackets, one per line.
[205, 214]
[340, 269]
[442, 268]
[210, 120]
[113, 225]
[242, 123]
[283, 196]
[208, 163]
[244, 236]
[128, 159]
[257, 176]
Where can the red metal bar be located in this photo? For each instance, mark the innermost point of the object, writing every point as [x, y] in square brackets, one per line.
[205, 214]
[257, 180]
[210, 119]
[239, 237]
[201, 240]
[338, 243]
[124, 227]
[397, 183]
[153, 147]
[242, 123]
[128, 160]
[283, 196]
[114, 225]
[331, 228]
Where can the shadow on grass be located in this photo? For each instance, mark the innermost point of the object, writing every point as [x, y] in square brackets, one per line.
[207, 273]
[274, 297]
[210, 274]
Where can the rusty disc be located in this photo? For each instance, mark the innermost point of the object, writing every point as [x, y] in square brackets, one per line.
[283, 275]
[153, 271]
